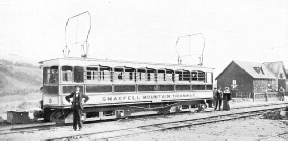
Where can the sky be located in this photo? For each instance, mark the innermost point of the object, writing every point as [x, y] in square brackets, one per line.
[148, 30]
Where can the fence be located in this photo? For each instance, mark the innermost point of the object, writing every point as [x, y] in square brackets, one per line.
[241, 95]
[266, 96]
[257, 96]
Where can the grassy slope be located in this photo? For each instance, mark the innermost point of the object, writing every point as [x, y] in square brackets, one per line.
[19, 80]
[19, 87]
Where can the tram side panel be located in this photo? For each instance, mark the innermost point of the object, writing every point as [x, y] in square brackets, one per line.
[137, 98]
[117, 94]
[115, 101]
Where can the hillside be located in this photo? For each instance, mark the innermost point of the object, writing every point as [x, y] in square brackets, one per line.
[19, 78]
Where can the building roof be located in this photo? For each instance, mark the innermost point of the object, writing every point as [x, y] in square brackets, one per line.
[275, 67]
[255, 70]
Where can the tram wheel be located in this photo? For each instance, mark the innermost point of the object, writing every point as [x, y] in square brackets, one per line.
[59, 114]
[47, 113]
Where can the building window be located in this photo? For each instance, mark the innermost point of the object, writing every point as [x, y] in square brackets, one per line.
[234, 85]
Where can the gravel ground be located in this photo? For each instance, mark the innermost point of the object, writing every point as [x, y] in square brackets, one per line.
[240, 130]
[243, 129]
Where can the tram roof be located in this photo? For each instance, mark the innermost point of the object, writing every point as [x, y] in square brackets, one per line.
[118, 64]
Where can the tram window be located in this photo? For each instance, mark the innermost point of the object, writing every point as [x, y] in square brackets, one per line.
[120, 76]
[78, 74]
[104, 74]
[194, 75]
[92, 73]
[66, 73]
[178, 76]
[53, 75]
[151, 76]
[118, 73]
[141, 75]
[148, 77]
[169, 75]
[129, 74]
[161, 75]
[201, 76]
[209, 77]
[46, 75]
[186, 76]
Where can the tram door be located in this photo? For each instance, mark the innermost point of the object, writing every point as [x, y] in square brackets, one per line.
[78, 74]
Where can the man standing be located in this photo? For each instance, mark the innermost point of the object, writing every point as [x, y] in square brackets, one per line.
[77, 106]
[214, 96]
[219, 96]
[281, 93]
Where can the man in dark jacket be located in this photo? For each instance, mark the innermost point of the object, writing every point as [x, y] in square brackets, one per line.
[281, 93]
[219, 96]
[77, 106]
[214, 96]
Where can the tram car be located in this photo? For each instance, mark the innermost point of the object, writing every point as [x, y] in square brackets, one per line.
[119, 89]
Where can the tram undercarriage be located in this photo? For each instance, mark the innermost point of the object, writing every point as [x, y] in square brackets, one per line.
[65, 115]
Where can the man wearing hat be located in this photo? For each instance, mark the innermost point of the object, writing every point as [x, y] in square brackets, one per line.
[77, 106]
[219, 95]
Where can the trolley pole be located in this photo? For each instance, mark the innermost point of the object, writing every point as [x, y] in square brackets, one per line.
[202, 53]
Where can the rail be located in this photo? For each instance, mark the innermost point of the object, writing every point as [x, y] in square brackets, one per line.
[30, 128]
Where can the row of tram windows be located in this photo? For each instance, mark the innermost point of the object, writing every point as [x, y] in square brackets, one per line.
[78, 74]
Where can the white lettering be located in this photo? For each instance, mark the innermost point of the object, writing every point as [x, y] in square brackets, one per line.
[143, 97]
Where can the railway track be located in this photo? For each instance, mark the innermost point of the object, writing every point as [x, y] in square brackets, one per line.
[281, 135]
[225, 116]
[26, 128]
[243, 111]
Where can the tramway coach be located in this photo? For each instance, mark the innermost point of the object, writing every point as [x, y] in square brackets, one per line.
[119, 89]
